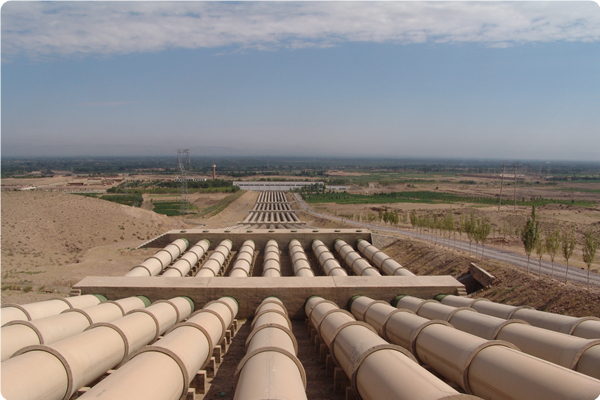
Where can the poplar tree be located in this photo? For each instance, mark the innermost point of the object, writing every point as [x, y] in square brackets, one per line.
[568, 246]
[530, 235]
[590, 245]
[552, 245]
[540, 249]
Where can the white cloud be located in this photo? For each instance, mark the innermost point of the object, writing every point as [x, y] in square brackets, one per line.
[49, 29]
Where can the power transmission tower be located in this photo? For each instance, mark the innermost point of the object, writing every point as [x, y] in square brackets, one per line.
[515, 188]
[501, 183]
[183, 160]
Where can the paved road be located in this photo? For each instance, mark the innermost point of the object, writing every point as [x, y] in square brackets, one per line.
[489, 252]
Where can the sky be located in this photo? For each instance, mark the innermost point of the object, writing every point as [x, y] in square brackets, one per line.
[499, 80]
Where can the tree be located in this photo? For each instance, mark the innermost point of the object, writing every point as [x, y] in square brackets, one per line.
[552, 245]
[540, 249]
[470, 229]
[590, 245]
[483, 231]
[568, 246]
[530, 235]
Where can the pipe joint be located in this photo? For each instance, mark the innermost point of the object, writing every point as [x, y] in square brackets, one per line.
[273, 326]
[286, 353]
[340, 329]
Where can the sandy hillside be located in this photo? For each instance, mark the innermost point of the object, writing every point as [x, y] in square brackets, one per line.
[52, 240]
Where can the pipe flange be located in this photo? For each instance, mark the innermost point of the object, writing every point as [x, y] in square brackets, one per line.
[219, 301]
[169, 302]
[274, 301]
[583, 349]
[144, 267]
[220, 252]
[457, 310]
[412, 341]
[334, 268]
[363, 357]
[60, 358]
[580, 320]
[28, 324]
[160, 262]
[19, 307]
[239, 269]
[201, 329]
[335, 310]
[82, 312]
[268, 349]
[278, 269]
[251, 253]
[502, 325]
[270, 311]
[144, 311]
[517, 308]
[341, 328]
[116, 304]
[276, 326]
[300, 269]
[467, 364]
[174, 357]
[424, 302]
[119, 331]
[362, 317]
[309, 315]
[216, 314]
[388, 317]
[175, 269]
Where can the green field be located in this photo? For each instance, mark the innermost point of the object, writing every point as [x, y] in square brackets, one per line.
[133, 200]
[171, 208]
[425, 197]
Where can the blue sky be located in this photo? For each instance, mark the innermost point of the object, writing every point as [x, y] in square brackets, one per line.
[395, 79]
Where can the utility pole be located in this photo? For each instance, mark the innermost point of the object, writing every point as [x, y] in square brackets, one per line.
[183, 160]
[515, 191]
[501, 182]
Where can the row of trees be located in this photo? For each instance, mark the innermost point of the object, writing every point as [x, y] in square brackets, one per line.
[533, 239]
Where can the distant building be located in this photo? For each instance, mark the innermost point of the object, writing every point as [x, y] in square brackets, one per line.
[275, 186]
[341, 188]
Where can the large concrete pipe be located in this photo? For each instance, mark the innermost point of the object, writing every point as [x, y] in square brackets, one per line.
[359, 265]
[214, 264]
[19, 334]
[270, 369]
[58, 370]
[243, 262]
[558, 348]
[377, 369]
[42, 309]
[158, 262]
[299, 259]
[163, 371]
[271, 264]
[331, 267]
[585, 327]
[488, 369]
[187, 261]
[387, 265]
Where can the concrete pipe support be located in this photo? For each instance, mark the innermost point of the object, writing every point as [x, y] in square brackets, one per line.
[19, 334]
[585, 327]
[489, 369]
[299, 259]
[243, 262]
[42, 309]
[187, 261]
[271, 264]
[61, 368]
[271, 369]
[214, 264]
[163, 371]
[359, 265]
[158, 262]
[331, 267]
[384, 262]
[581, 355]
[377, 369]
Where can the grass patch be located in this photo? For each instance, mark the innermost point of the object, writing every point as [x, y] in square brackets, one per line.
[221, 205]
[133, 200]
[171, 208]
[27, 289]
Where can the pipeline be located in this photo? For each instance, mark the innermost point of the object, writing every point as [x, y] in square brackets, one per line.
[585, 327]
[164, 370]
[581, 355]
[158, 262]
[42, 309]
[61, 368]
[19, 334]
[187, 261]
[299, 260]
[271, 265]
[214, 264]
[492, 370]
[331, 267]
[384, 262]
[270, 369]
[377, 369]
[245, 255]
[359, 265]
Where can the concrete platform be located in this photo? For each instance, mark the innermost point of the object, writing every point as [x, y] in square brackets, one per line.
[249, 292]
